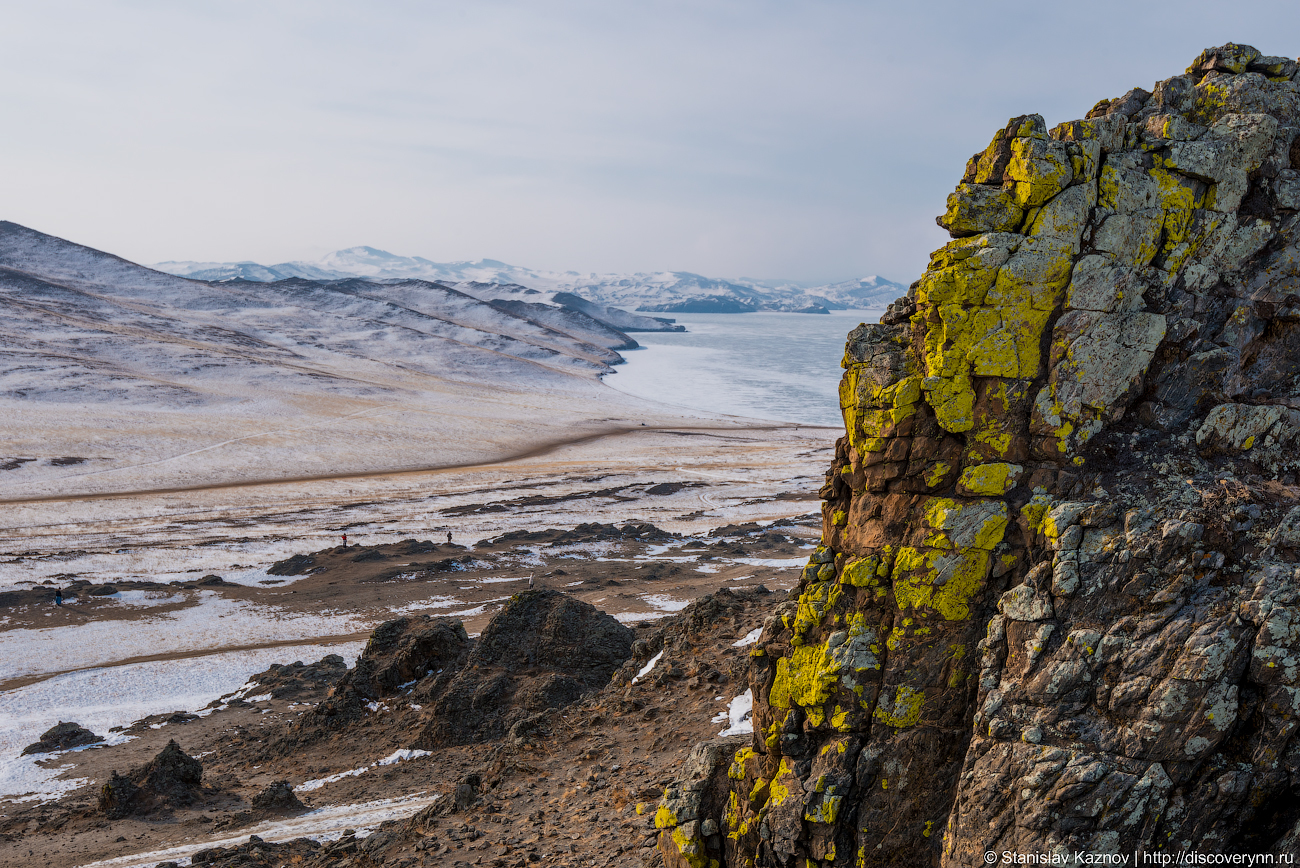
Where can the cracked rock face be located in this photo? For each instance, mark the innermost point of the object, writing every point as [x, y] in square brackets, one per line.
[1057, 607]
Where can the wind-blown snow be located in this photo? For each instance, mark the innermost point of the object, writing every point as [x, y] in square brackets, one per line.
[322, 824]
[392, 759]
[771, 562]
[665, 603]
[633, 617]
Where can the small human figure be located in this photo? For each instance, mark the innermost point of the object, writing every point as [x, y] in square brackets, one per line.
[345, 540]
[448, 537]
[530, 581]
[58, 596]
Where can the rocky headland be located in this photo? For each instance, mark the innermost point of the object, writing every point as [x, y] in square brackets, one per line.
[1055, 611]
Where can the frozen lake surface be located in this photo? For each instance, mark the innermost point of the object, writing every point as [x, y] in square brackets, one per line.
[765, 365]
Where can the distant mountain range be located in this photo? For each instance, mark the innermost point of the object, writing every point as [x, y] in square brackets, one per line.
[658, 292]
[114, 375]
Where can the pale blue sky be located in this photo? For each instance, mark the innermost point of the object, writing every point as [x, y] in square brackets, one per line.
[804, 140]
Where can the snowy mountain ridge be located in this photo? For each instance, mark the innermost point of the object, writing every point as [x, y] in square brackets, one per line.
[114, 375]
[662, 291]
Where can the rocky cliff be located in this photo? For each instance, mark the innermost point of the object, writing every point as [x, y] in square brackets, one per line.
[1057, 608]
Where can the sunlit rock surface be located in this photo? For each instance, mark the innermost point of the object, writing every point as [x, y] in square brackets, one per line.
[1057, 608]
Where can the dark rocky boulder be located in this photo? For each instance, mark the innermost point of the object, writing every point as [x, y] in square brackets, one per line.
[296, 565]
[62, 737]
[399, 652]
[1055, 609]
[553, 630]
[290, 680]
[278, 797]
[171, 779]
[256, 853]
[404, 651]
[118, 797]
[542, 651]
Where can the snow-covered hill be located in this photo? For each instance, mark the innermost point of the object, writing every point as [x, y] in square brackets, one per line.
[666, 291]
[113, 375]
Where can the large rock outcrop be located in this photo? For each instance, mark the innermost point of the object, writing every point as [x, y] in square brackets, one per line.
[1057, 608]
[542, 651]
[171, 779]
[398, 654]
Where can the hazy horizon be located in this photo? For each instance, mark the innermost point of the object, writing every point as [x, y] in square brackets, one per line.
[489, 260]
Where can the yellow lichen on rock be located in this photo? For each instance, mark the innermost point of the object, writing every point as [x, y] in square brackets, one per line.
[876, 393]
[691, 850]
[973, 208]
[901, 710]
[861, 572]
[994, 479]
[1040, 167]
[950, 569]
[986, 302]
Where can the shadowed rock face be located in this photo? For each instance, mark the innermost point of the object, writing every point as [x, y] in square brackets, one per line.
[543, 650]
[1056, 605]
[399, 653]
[171, 779]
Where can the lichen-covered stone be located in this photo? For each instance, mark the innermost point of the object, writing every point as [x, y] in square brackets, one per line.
[974, 208]
[1057, 605]
[1238, 427]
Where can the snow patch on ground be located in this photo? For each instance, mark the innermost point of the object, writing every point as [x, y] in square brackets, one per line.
[102, 698]
[739, 715]
[645, 670]
[322, 824]
[431, 603]
[213, 622]
[633, 617]
[770, 562]
[392, 759]
[145, 599]
[748, 639]
[665, 603]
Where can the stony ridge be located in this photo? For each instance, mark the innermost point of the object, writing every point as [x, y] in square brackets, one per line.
[1057, 607]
